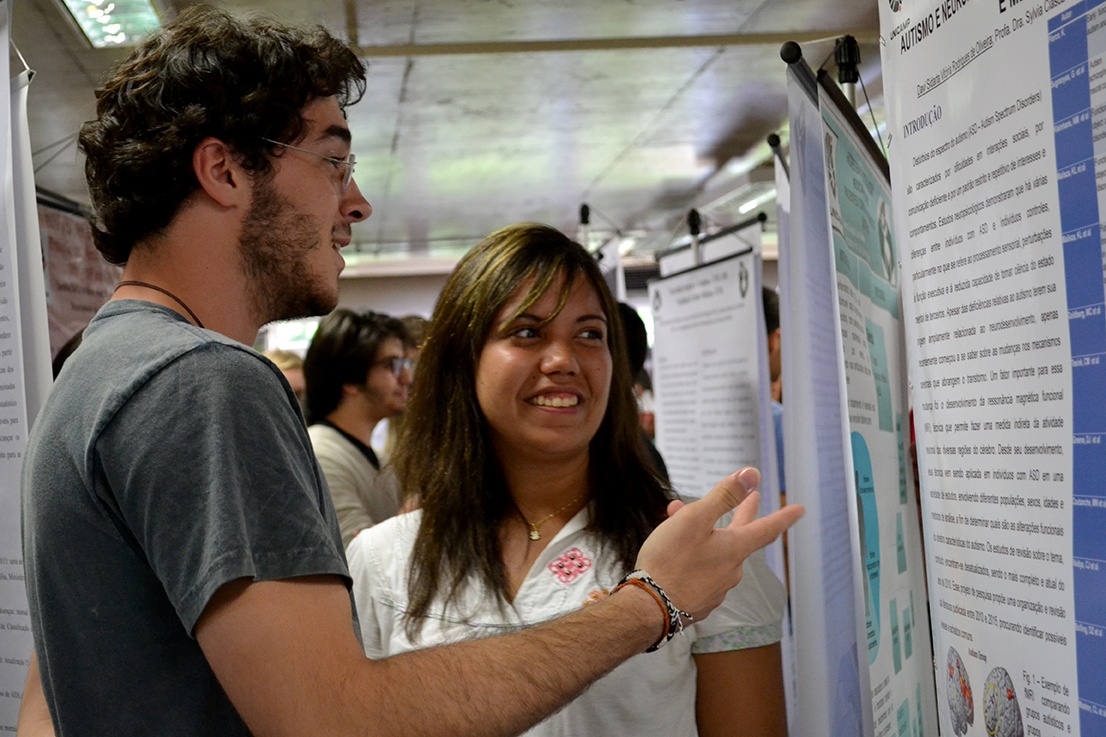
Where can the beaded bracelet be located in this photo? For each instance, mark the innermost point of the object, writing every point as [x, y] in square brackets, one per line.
[673, 614]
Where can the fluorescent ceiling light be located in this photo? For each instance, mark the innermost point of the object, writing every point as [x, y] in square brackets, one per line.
[108, 23]
[757, 201]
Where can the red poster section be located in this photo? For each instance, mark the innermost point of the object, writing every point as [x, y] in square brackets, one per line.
[78, 279]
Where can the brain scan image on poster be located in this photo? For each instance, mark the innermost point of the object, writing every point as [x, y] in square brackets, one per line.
[958, 691]
[868, 518]
[1000, 706]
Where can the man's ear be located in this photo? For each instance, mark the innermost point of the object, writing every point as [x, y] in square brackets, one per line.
[219, 173]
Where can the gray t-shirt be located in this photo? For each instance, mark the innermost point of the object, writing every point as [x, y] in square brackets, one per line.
[167, 461]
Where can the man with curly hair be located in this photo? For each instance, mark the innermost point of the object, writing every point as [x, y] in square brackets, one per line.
[184, 565]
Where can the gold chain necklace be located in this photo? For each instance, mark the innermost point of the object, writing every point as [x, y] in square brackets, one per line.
[534, 534]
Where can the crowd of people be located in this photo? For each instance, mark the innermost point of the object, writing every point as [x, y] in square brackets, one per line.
[187, 507]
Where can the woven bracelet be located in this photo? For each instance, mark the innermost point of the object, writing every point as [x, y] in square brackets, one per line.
[638, 583]
[676, 616]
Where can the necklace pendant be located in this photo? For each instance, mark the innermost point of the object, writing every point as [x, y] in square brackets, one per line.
[535, 535]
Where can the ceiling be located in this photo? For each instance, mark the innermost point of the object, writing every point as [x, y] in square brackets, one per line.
[480, 113]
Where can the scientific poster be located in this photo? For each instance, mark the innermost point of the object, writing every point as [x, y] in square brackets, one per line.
[889, 561]
[999, 165]
[708, 357]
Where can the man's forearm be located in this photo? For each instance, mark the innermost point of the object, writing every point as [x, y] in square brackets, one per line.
[504, 685]
[34, 716]
[287, 657]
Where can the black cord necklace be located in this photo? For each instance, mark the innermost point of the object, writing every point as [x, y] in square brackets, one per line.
[164, 291]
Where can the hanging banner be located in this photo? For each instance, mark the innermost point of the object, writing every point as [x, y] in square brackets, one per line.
[832, 687]
[999, 167]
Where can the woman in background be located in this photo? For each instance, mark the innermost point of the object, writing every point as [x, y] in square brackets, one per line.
[523, 448]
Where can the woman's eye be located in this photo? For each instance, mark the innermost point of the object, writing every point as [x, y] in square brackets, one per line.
[527, 332]
[593, 334]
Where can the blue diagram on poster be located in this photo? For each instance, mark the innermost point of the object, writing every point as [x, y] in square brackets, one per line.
[868, 515]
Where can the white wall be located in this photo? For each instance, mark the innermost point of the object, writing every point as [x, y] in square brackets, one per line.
[393, 295]
[406, 294]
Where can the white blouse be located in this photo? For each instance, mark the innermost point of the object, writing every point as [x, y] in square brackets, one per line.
[650, 694]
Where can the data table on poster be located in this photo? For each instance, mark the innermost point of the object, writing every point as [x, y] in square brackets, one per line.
[1077, 62]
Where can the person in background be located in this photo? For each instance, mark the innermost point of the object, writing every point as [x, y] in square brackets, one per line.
[643, 390]
[358, 374]
[772, 328]
[291, 365]
[184, 568]
[637, 348]
[66, 351]
[523, 444]
[771, 300]
[417, 327]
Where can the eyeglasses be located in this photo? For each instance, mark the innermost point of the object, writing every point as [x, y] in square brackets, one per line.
[397, 365]
[348, 162]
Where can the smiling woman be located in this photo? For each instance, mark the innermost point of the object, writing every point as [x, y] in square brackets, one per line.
[522, 449]
[543, 376]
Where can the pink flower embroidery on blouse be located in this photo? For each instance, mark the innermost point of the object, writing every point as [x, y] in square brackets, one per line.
[570, 565]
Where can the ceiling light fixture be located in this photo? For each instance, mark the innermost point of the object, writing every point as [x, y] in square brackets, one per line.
[757, 201]
[108, 23]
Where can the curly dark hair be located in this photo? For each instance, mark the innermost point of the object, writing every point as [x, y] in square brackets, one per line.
[445, 459]
[204, 74]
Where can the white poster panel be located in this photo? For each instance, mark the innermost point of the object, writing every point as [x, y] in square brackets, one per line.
[783, 230]
[33, 319]
[15, 631]
[712, 248]
[783, 205]
[824, 606]
[675, 261]
[609, 257]
[998, 168]
[885, 522]
[708, 356]
[716, 249]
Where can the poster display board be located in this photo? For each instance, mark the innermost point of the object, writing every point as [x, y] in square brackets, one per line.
[15, 625]
[709, 353]
[998, 163]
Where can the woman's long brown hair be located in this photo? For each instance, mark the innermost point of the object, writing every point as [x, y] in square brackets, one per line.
[445, 459]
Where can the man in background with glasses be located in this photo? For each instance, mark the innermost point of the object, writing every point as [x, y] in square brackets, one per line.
[357, 374]
[184, 566]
